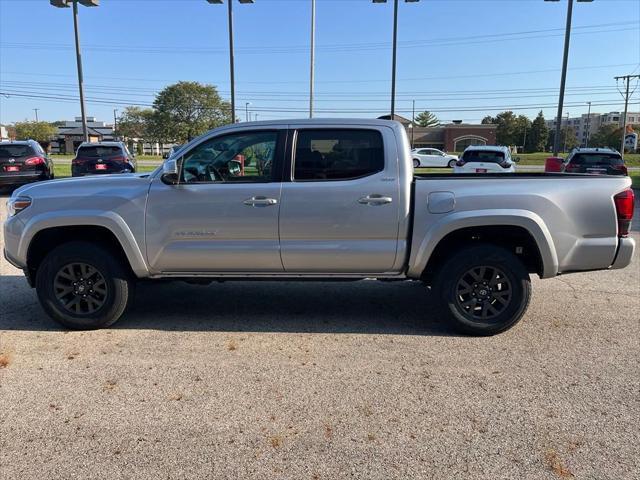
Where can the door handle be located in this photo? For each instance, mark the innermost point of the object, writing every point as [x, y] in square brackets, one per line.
[375, 199]
[260, 202]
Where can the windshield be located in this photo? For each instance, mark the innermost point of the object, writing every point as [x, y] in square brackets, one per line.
[596, 159]
[12, 151]
[99, 151]
[483, 156]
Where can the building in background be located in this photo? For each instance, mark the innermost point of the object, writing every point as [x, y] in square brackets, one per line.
[450, 137]
[4, 134]
[70, 135]
[590, 125]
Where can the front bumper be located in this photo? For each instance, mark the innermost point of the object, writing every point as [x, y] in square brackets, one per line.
[625, 253]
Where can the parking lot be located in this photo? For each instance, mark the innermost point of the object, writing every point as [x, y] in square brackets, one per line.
[323, 381]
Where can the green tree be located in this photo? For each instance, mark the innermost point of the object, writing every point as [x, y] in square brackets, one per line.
[521, 132]
[427, 119]
[134, 123]
[488, 120]
[568, 139]
[538, 136]
[607, 136]
[187, 109]
[42, 132]
[507, 129]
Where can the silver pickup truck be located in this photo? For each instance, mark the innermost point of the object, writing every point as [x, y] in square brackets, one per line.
[314, 199]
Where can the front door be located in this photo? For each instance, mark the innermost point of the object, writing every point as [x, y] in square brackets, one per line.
[223, 215]
[340, 203]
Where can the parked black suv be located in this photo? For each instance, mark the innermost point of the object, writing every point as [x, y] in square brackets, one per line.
[103, 157]
[601, 161]
[23, 162]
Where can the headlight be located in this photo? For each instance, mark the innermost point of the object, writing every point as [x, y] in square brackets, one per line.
[17, 204]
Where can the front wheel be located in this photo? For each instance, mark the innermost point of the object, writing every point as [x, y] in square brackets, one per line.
[452, 163]
[416, 163]
[83, 286]
[485, 290]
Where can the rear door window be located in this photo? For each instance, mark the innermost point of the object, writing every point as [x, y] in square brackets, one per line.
[483, 156]
[99, 151]
[596, 159]
[344, 154]
[15, 151]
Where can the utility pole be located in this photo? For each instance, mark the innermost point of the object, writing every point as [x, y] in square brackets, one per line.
[563, 78]
[115, 123]
[524, 140]
[627, 79]
[588, 125]
[246, 111]
[36, 110]
[566, 134]
[413, 119]
[313, 54]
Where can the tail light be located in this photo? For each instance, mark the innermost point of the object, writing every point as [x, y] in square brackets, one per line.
[34, 161]
[78, 161]
[624, 211]
[570, 168]
[118, 159]
[621, 168]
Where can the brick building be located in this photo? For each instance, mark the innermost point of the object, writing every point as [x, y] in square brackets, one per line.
[451, 137]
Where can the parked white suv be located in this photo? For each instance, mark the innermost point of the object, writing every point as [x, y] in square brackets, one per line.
[486, 159]
[431, 157]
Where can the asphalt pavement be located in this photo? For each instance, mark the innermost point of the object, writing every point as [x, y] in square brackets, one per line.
[323, 381]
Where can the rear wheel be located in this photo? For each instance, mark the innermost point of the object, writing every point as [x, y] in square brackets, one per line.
[452, 163]
[416, 163]
[485, 290]
[83, 286]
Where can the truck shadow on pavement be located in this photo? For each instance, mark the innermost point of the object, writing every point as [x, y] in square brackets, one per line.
[365, 307]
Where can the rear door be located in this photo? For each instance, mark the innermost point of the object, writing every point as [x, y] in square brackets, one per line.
[340, 201]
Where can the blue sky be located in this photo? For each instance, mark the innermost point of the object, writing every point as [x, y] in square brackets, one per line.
[462, 59]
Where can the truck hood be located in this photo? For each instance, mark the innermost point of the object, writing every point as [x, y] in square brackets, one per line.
[86, 186]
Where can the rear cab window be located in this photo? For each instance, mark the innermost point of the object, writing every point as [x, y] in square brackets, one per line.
[337, 154]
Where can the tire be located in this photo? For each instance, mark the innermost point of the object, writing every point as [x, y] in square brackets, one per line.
[416, 163]
[475, 306]
[452, 163]
[102, 307]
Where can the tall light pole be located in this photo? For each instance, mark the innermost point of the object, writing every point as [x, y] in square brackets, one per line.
[563, 78]
[413, 120]
[115, 123]
[231, 60]
[588, 125]
[566, 134]
[246, 111]
[312, 66]
[394, 52]
[74, 3]
[36, 110]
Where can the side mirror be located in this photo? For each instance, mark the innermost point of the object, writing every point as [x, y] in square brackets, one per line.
[170, 174]
[516, 159]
